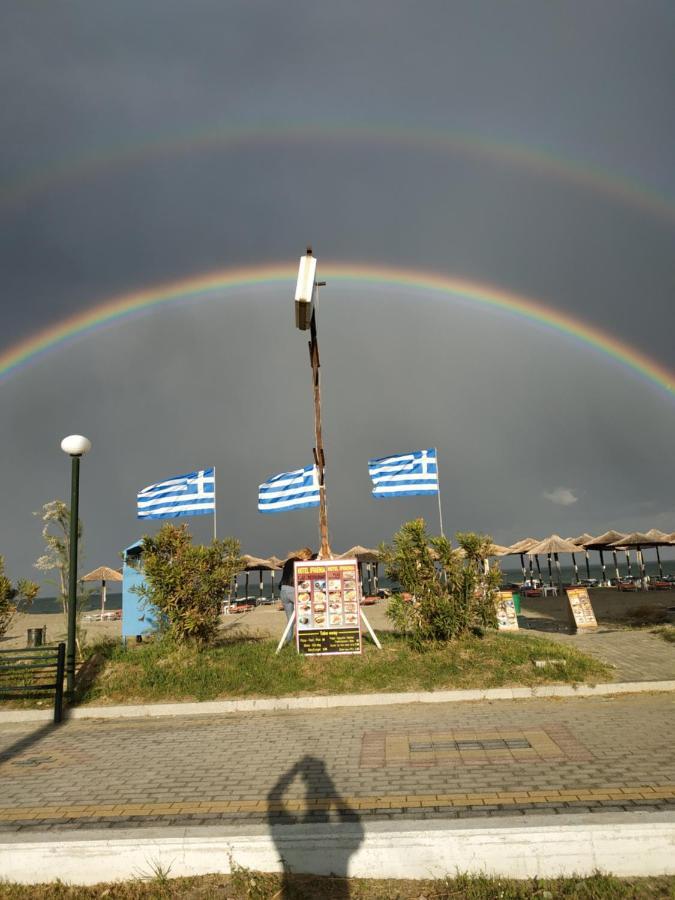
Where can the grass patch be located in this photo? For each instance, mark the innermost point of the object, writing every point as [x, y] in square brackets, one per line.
[247, 885]
[246, 666]
[667, 632]
[647, 614]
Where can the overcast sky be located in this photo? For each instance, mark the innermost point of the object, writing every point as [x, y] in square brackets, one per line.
[105, 190]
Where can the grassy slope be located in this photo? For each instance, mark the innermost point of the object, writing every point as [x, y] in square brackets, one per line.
[246, 885]
[248, 667]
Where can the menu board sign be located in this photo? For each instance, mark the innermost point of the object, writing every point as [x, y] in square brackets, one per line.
[507, 620]
[327, 607]
[580, 608]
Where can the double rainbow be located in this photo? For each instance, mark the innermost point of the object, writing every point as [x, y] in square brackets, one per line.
[214, 284]
[27, 185]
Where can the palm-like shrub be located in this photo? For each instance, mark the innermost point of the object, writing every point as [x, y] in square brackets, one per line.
[187, 583]
[450, 591]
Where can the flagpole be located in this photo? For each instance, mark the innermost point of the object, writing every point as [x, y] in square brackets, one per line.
[214, 503]
[440, 511]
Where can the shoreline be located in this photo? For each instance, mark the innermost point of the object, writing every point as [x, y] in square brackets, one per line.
[540, 614]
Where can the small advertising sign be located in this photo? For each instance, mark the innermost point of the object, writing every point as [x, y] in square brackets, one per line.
[327, 595]
[580, 608]
[507, 620]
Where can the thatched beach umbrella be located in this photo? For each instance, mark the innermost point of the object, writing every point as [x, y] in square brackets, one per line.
[362, 554]
[368, 557]
[582, 542]
[499, 550]
[520, 548]
[554, 545]
[494, 551]
[660, 539]
[639, 540]
[606, 541]
[103, 574]
[278, 564]
[574, 559]
[253, 563]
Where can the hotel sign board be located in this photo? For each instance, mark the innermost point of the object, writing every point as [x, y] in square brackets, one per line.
[581, 611]
[507, 620]
[327, 612]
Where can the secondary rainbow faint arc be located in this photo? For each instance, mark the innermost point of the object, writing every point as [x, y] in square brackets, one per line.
[207, 286]
[544, 161]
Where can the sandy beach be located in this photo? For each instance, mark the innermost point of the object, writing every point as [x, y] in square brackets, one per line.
[549, 613]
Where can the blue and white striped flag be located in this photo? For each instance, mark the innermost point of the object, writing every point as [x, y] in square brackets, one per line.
[193, 494]
[289, 490]
[405, 474]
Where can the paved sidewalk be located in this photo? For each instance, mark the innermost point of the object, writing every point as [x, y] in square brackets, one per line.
[635, 654]
[485, 759]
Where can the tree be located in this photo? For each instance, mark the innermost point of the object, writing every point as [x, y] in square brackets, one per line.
[56, 533]
[451, 591]
[186, 583]
[11, 597]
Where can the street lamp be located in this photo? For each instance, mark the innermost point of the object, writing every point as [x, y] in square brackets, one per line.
[75, 446]
[306, 293]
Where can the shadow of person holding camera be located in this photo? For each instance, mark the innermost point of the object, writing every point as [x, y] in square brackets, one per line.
[316, 834]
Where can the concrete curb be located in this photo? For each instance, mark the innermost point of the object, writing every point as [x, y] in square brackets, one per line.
[625, 844]
[264, 704]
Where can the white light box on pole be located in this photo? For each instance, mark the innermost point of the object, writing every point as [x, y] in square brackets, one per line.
[304, 291]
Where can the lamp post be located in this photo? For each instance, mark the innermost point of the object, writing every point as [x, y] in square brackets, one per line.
[306, 293]
[75, 446]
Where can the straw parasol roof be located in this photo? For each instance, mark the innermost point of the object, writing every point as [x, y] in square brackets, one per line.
[256, 562]
[658, 537]
[362, 554]
[498, 550]
[103, 573]
[583, 540]
[554, 544]
[523, 546]
[607, 539]
[635, 539]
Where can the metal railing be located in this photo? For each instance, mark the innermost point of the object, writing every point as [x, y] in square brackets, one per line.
[27, 673]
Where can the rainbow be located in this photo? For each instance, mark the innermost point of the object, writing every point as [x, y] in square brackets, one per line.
[59, 174]
[214, 284]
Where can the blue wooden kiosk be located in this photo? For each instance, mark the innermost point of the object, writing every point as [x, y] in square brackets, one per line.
[138, 618]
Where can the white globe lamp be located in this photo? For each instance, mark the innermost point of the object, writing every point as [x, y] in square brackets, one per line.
[76, 445]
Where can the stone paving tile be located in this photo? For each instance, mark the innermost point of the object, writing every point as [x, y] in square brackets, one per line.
[262, 760]
[637, 655]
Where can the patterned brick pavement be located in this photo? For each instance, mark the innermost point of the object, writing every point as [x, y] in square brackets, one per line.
[413, 761]
[636, 655]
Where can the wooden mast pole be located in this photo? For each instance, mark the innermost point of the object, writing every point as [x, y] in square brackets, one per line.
[319, 455]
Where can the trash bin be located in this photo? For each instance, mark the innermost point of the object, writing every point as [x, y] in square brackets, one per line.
[516, 603]
[34, 637]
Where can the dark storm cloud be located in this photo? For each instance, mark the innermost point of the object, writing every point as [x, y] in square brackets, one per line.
[517, 412]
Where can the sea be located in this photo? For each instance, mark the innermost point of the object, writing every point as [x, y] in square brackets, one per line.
[42, 605]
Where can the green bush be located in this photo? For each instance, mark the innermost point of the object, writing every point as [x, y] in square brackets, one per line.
[186, 583]
[11, 597]
[450, 591]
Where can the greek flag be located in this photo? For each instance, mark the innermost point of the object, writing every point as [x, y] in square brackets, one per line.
[193, 494]
[405, 474]
[289, 490]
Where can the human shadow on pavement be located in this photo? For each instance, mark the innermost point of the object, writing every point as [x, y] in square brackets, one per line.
[321, 806]
[25, 743]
